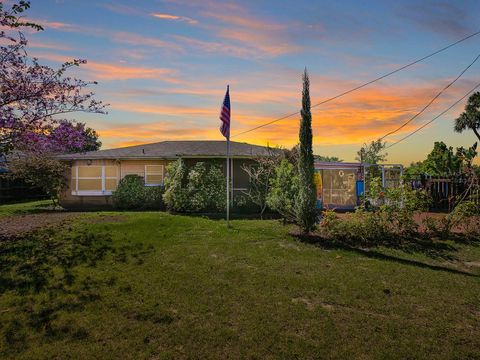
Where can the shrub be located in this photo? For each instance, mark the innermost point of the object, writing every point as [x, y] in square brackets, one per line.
[154, 197]
[40, 170]
[386, 215]
[132, 193]
[260, 174]
[201, 188]
[206, 188]
[175, 196]
[464, 217]
[283, 191]
[398, 205]
[243, 204]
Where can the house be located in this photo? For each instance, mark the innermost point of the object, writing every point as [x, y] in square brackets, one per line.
[95, 175]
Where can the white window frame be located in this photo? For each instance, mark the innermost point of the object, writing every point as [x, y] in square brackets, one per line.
[154, 173]
[102, 192]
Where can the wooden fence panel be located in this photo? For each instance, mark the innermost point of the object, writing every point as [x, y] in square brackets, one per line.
[446, 192]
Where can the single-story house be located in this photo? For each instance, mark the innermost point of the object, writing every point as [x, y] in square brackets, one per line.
[95, 175]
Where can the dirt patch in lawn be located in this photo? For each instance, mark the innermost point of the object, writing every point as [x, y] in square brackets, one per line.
[20, 224]
[106, 218]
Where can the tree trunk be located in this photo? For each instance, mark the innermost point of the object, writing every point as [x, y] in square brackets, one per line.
[476, 133]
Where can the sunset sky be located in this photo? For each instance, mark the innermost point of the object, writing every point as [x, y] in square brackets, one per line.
[163, 67]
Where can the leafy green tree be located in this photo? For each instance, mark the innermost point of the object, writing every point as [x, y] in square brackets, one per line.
[415, 169]
[305, 203]
[92, 143]
[41, 171]
[284, 191]
[442, 161]
[470, 118]
[372, 153]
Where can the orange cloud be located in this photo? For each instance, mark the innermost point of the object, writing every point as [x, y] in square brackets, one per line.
[265, 42]
[239, 25]
[47, 45]
[153, 132]
[339, 127]
[241, 18]
[217, 47]
[163, 110]
[121, 72]
[105, 71]
[57, 25]
[241, 97]
[135, 39]
[174, 17]
[122, 37]
[361, 117]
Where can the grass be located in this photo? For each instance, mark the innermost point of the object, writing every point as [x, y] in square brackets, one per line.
[23, 208]
[154, 285]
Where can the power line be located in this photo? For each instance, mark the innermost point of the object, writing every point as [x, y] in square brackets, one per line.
[431, 101]
[362, 85]
[435, 118]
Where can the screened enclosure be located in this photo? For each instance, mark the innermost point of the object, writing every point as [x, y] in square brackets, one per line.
[341, 185]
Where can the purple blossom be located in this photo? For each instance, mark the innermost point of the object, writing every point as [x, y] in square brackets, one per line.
[32, 96]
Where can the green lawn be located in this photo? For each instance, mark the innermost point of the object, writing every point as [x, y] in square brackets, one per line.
[153, 285]
[25, 207]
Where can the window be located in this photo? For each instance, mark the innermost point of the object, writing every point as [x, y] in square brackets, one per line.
[153, 175]
[94, 180]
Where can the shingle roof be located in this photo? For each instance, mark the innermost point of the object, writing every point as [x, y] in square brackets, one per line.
[175, 149]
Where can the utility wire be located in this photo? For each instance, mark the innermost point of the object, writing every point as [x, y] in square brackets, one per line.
[435, 118]
[431, 101]
[362, 85]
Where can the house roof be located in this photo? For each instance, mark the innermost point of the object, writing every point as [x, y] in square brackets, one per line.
[175, 149]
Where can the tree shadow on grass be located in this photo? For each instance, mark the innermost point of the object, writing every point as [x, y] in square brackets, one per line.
[435, 250]
[39, 280]
[233, 215]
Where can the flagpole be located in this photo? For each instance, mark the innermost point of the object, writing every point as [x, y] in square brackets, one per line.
[225, 130]
[228, 181]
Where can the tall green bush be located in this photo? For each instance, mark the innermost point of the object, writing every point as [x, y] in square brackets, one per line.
[206, 188]
[175, 196]
[199, 189]
[284, 190]
[132, 194]
[307, 195]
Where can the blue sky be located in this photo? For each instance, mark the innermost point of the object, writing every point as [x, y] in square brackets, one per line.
[163, 67]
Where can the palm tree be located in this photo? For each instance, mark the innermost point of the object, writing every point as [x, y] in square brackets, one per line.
[470, 118]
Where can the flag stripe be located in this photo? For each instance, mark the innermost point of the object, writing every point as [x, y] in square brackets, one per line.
[225, 115]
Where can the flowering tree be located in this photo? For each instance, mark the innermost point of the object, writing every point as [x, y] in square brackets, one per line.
[33, 99]
[63, 137]
[33, 96]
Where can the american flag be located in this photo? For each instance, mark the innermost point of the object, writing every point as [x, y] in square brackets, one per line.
[225, 116]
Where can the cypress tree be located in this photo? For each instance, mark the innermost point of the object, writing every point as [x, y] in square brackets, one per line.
[307, 196]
